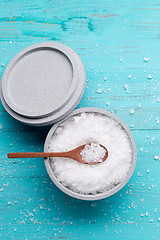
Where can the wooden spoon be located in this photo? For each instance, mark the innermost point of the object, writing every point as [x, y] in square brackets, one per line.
[74, 154]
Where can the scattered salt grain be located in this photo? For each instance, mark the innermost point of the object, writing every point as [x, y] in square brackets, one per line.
[107, 103]
[156, 157]
[121, 59]
[149, 76]
[141, 149]
[129, 76]
[2, 64]
[126, 87]
[151, 220]
[158, 99]
[146, 59]
[99, 91]
[93, 153]
[131, 111]
[85, 128]
[93, 205]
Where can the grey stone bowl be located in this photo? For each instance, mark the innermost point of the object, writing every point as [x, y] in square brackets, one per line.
[97, 196]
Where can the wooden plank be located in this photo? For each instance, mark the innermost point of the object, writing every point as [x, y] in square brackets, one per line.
[112, 39]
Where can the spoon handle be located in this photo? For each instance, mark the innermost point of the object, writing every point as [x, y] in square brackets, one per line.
[39, 154]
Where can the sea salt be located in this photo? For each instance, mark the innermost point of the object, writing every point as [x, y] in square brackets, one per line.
[99, 91]
[131, 111]
[93, 153]
[146, 59]
[141, 149]
[91, 128]
[158, 99]
[126, 87]
[156, 157]
[149, 76]
[129, 76]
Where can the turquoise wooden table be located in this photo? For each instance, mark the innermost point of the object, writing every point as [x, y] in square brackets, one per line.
[118, 42]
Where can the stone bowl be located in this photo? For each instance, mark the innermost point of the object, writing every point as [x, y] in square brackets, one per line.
[97, 196]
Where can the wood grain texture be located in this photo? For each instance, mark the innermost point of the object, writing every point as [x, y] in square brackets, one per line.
[112, 39]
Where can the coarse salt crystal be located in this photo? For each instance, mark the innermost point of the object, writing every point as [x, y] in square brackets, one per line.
[126, 87]
[107, 103]
[129, 76]
[149, 76]
[158, 99]
[99, 91]
[141, 149]
[131, 111]
[139, 105]
[156, 157]
[146, 59]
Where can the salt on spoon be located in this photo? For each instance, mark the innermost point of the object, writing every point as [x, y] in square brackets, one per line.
[91, 153]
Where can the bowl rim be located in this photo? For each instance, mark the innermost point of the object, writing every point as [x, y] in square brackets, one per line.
[98, 196]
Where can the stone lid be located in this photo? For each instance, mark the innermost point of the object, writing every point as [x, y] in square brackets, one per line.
[43, 83]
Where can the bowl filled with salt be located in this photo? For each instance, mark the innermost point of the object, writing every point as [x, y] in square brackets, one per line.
[95, 128]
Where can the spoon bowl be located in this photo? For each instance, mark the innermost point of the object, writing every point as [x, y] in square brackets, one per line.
[75, 153]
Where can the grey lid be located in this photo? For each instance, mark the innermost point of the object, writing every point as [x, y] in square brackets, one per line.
[62, 112]
[40, 79]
